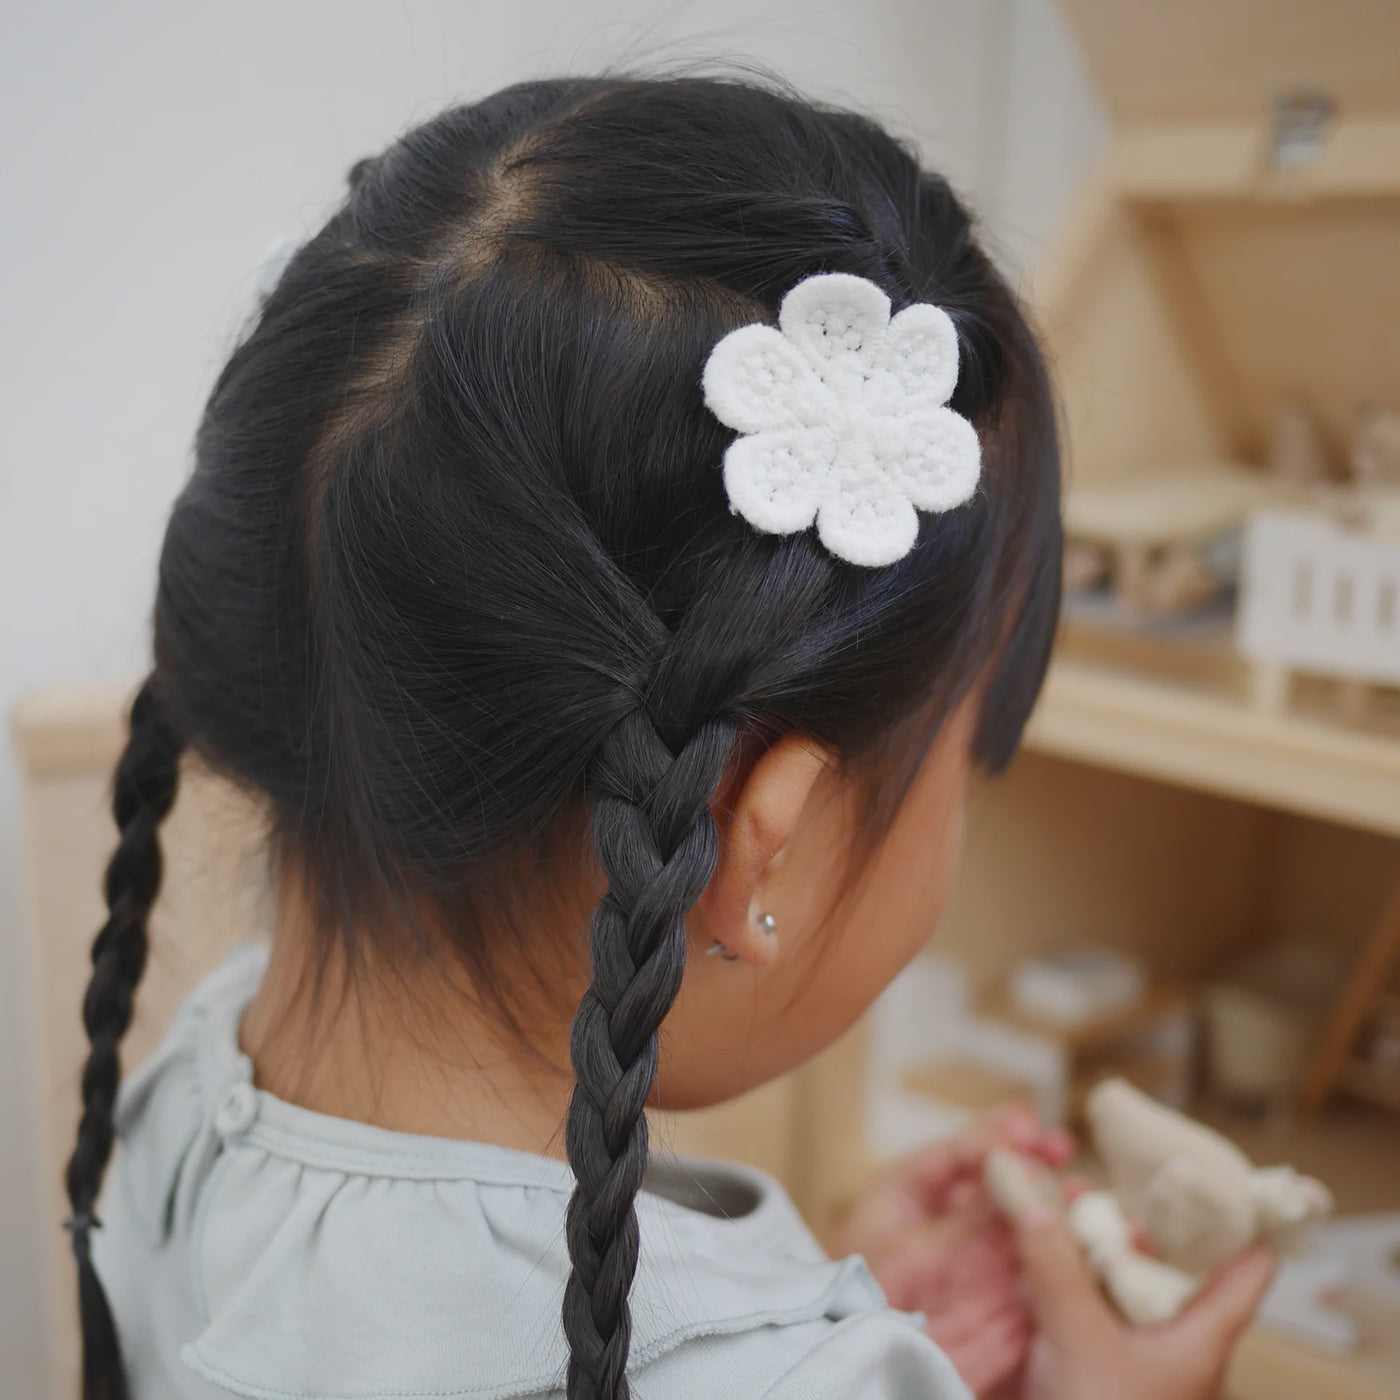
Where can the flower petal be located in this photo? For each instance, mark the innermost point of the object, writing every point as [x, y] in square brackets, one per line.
[865, 518]
[836, 320]
[935, 456]
[776, 480]
[754, 380]
[916, 361]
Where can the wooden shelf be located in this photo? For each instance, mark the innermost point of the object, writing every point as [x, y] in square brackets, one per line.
[1375, 1083]
[1353, 1148]
[1201, 738]
[1266, 1366]
[70, 729]
[1159, 1001]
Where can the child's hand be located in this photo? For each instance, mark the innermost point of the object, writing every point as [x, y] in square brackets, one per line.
[1084, 1351]
[933, 1180]
[962, 1271]
[938, 1246]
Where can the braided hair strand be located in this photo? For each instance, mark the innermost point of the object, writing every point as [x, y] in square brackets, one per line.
[655, 838]
[143, 793]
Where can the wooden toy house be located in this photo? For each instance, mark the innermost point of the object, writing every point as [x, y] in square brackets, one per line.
[1237, 250]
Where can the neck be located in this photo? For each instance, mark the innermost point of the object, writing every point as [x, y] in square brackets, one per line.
[415, 1049]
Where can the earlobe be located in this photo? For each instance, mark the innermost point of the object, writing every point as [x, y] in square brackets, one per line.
[762, 819]
[762, 933]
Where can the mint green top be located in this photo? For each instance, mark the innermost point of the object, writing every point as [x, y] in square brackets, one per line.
[258, 1249]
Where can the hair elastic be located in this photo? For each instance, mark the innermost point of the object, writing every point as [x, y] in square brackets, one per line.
[80, 1226]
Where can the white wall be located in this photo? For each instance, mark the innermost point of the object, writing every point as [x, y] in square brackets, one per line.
[152, 151]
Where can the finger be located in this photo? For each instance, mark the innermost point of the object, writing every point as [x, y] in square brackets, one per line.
[965, 1194]
[949, 1254]
[930, 1173]
[962, 1322]
[988, 1359]
[1018, 1126]
[1225, 1305]
[1055, 1147]
[1075, 1186]
[1063, 1293]
[1009, 1125]
[984, 1271]
[976, 1229]
[943, 1235]
[916, 1260]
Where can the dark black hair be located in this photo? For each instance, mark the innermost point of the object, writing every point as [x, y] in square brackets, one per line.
[455, 568]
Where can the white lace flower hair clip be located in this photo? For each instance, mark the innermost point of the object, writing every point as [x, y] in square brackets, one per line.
[843, 418]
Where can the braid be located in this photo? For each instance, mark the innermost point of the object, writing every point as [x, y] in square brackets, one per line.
[656, 841]
[143, 793]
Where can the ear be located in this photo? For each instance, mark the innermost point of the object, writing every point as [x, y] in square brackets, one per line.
[754, 832]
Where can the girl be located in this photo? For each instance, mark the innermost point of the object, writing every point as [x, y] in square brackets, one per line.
[635, 510]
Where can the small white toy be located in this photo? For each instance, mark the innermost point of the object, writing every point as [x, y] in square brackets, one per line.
[1193, 1196]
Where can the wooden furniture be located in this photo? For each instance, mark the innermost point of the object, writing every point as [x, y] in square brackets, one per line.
[1148, 1042]
[1217, 264]
[1334, 1063]
[1149, 526]
[1320, 594]
[1212, 272]
[1229, 254]
[1106, 1044]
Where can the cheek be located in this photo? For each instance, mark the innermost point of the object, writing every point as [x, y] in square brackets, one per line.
[911, 880]
[898, 906]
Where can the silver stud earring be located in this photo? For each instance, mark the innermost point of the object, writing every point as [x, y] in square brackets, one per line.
[767, 923]
[718, 947]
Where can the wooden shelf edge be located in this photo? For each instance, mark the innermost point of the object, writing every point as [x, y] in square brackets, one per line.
[1227, 159]
[1154, 729]
[70, 729]
[1269, 1366]
[1374, 1083]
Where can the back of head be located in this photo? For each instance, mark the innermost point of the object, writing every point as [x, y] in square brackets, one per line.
[455, 573]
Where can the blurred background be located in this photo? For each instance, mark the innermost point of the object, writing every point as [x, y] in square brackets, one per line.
[1189, 878]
